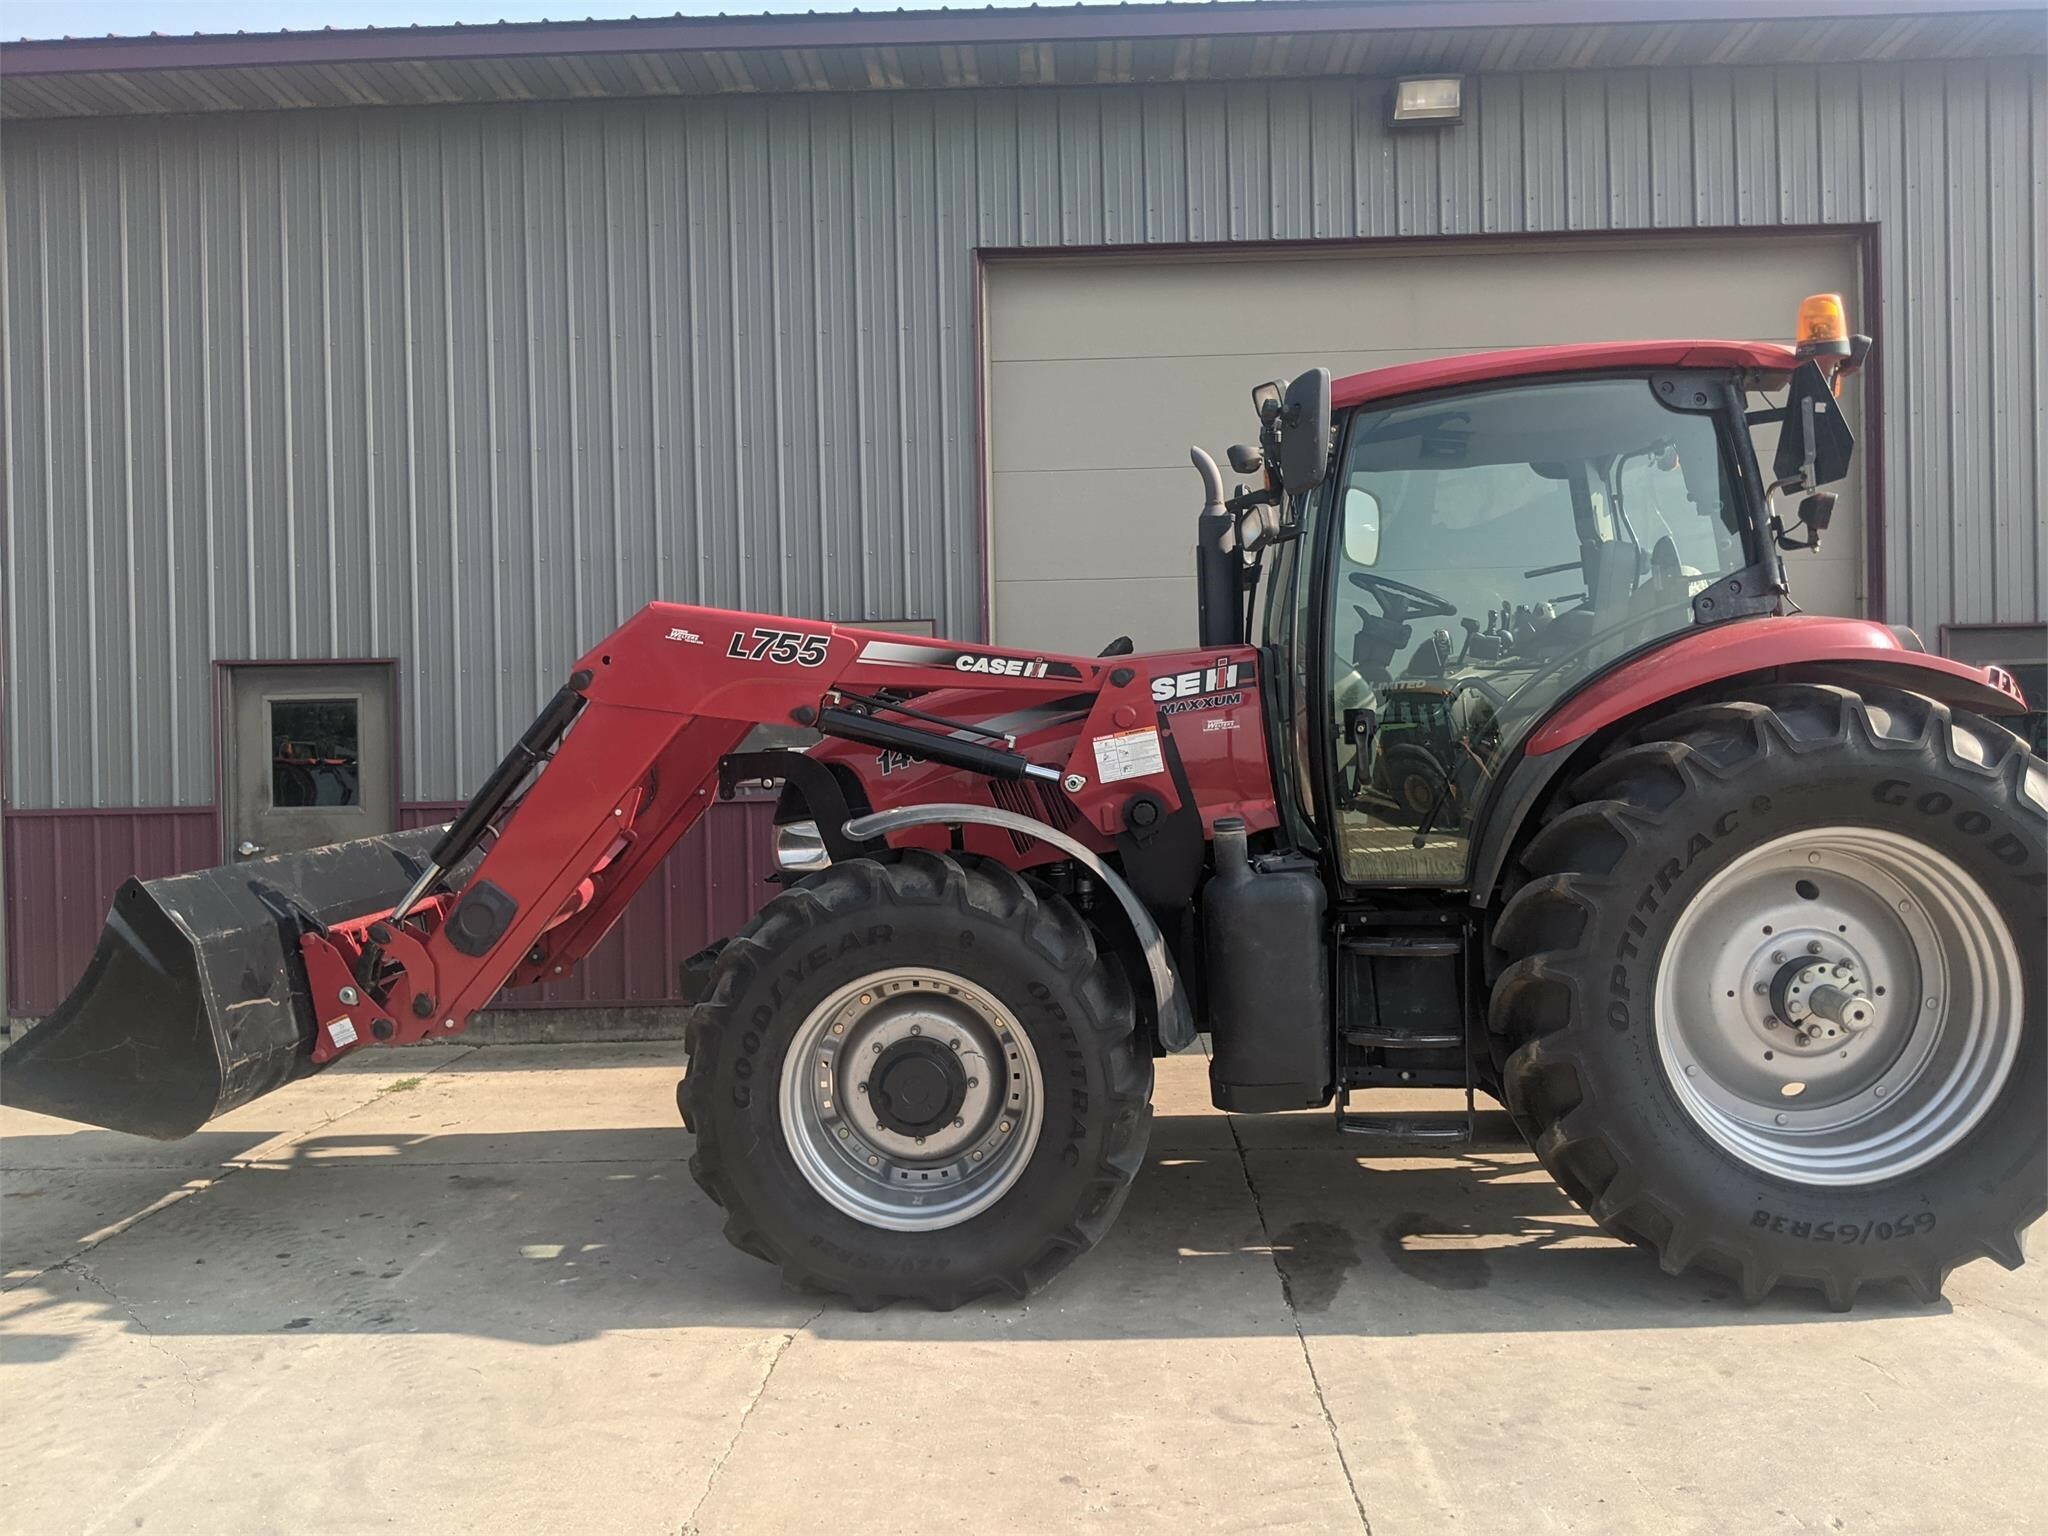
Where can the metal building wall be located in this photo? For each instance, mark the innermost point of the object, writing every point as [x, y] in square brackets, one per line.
[465, 385]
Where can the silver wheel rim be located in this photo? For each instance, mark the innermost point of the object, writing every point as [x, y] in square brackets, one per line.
[837, 1118]
[1839, 1006]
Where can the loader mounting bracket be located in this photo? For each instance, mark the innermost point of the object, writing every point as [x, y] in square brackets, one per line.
[813, 780]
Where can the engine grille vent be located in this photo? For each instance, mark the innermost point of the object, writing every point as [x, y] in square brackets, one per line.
[1038, 800]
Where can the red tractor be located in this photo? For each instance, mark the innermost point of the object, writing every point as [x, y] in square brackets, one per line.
[1501, 765]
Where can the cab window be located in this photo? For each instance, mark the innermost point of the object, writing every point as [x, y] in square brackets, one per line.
[1496, 549]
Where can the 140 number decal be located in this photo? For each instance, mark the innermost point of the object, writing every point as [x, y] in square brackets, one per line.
[781, 646]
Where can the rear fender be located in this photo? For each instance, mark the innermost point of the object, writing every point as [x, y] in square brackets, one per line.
[1697, 658]
[1847, 653]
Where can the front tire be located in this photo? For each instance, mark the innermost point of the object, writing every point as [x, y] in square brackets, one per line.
[917, 1081]
[1668, 1059]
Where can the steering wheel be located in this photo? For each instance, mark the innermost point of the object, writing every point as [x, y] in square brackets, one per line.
[1398, 602]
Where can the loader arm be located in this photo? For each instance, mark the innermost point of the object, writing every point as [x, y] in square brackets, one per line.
[211, 989]
[657, 704]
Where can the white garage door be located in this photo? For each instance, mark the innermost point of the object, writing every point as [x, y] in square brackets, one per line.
[1101, 372]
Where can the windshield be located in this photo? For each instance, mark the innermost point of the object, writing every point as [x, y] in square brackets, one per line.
[1497, 548]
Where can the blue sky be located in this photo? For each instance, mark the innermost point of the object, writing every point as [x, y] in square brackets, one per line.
[68, 18]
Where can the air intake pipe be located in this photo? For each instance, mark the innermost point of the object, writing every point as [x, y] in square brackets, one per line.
[1218, 589]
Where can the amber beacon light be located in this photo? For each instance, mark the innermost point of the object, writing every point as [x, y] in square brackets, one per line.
[1823, 326]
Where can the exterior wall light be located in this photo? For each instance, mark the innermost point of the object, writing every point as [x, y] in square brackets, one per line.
[1429, 99]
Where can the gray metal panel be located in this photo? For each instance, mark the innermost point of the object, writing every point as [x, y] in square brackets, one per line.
[463, 385]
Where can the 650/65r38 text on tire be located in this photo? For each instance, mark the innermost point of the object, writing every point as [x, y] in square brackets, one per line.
[1774, 993]
[917, 1080]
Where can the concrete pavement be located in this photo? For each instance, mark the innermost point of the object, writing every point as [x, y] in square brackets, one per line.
[465, 1289]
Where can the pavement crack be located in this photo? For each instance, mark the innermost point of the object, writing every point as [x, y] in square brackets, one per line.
[76, 1266]
[1294, 1319]
[1887, 1375]
[782, 1344]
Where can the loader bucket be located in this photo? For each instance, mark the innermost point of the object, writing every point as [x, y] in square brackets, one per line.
[196, 1000]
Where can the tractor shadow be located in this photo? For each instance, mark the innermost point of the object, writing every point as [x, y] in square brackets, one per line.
[1236, 1228]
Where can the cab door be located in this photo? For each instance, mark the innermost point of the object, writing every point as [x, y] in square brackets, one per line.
[1481, 554]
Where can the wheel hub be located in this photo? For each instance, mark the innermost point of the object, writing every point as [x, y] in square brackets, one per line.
[1808, 995]
[917, 1086]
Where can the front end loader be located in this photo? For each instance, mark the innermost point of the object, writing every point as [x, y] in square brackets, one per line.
[1738, 911]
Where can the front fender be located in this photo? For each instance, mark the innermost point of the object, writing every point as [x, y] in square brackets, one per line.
[1176, 1019]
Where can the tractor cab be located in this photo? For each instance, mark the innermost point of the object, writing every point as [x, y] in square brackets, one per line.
[1488, 548]
[1485, 536]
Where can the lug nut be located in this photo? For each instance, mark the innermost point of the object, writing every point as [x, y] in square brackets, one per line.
[1778, 957]
[1813, 946]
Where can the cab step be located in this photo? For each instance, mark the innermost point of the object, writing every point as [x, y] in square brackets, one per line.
[1396, 1040]
[1435, 1129]
[1438, 1129]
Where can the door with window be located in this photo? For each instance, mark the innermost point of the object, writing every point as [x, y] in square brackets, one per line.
[307, 757]
[1496, 548]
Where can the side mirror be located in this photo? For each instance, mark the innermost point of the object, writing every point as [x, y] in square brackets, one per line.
[1361, 526]
[1246, 459]
[1815, 443]
[1305, 432]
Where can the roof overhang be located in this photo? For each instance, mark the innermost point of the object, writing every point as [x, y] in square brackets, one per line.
[937, 49]
[1762, 358]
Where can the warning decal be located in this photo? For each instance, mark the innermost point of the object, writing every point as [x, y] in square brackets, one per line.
[1128, 755]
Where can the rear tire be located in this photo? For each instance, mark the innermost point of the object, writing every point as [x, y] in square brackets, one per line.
[917, 1081]
[1648, 1067]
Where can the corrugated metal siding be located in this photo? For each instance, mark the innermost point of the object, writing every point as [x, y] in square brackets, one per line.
[465, 385]
[75, 860]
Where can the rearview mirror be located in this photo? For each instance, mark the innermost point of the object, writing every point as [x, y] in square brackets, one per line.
[1305, 432]
[1361, 526]
[1815, 443]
